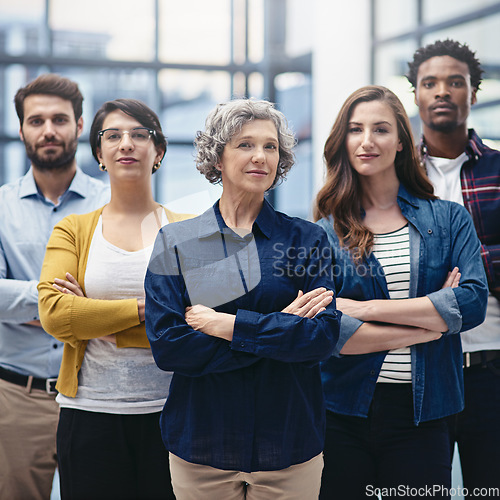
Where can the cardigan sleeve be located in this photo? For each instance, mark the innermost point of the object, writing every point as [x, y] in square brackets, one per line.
[70, 318]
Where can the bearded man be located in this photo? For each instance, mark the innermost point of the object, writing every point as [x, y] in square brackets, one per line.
[50, 116]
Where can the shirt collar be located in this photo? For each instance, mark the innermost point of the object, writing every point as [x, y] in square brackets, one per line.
[78, 185]
[406, 196]
[211, 221]
[28, 185]
[473, 149]
[475, 146]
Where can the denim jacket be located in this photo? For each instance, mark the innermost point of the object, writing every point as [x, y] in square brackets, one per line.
[442, 236]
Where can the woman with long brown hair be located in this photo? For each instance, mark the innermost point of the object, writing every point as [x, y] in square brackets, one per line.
[408, 279]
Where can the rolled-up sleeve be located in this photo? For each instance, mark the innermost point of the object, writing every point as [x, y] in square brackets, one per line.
[463, 307]
[446, 305]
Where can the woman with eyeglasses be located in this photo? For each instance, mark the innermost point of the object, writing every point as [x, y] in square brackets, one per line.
[91, 296]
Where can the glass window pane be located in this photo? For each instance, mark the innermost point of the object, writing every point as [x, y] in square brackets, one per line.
[180, 186]
[112, 84]
[293, 97]
[294, 195]
[195, 32]
[188, 98]
[434, 11]
[255, 30]
[485, 122]
[13, 154]
[256, 85]
[21, 27]
[103, 29]
[13, 78]
[394, 17]
[391, 64]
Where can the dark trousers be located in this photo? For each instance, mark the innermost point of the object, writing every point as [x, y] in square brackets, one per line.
[477, 428]
[364, 456]
[111, 456]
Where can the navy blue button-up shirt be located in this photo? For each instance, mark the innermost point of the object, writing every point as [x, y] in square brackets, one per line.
[442, 236]
[255, 403]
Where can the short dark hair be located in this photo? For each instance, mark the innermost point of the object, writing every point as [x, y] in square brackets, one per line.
[50, 84]
[451, 48]
[134, 108]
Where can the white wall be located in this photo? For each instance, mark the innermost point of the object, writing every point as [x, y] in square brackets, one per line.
[340, 65]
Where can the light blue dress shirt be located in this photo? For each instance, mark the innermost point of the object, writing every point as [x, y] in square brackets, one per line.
[26, 222]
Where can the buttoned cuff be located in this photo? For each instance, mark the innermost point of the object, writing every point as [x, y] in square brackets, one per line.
[245, 331]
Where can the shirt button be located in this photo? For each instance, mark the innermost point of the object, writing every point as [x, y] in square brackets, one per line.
[242, 344]
[55, 346]
[54, 209]
[372, 372]
[429, 231]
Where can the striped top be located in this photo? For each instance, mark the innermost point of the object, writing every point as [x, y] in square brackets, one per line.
[392, 250]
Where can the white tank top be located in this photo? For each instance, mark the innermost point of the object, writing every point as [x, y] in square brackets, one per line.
[112, 380]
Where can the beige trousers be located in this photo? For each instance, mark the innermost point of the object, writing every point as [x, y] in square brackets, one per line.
[28, 424]
[298, 482]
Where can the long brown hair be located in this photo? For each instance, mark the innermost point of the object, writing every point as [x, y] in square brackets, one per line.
[340, 196]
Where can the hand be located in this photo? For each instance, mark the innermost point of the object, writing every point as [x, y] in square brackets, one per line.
[109, 338]
[35, 322]
[208, 321]
[69, 286]
[141, 309]
[428, 336]
[354, 308]
[453, 278]
[307, 305]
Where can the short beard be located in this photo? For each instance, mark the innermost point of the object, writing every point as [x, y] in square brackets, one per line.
[61, 162]
[444, 127]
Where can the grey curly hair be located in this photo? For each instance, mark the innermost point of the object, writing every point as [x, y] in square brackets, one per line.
[227, 120]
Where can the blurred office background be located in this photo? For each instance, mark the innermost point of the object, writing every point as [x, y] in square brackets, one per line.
[181, 58]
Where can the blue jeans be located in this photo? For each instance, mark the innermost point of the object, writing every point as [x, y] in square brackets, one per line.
[477, 428]
[385, 450]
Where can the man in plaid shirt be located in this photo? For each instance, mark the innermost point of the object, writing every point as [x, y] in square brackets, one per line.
[446, 76]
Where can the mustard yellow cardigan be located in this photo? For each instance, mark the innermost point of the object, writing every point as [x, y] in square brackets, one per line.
[74, 320]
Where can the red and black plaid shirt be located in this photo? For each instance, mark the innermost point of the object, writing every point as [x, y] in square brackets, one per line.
[480, 178]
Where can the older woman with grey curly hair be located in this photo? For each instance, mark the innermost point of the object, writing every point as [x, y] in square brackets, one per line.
[225, 121]
[240, 308]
